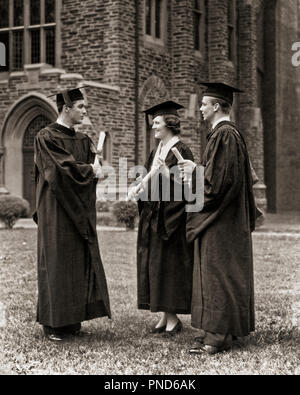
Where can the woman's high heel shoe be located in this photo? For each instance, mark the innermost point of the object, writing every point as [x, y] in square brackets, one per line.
[177, 328]
[161, 329]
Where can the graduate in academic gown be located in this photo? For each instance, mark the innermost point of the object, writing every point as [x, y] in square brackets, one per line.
[223, 290]
[164, 258]
[71, 280]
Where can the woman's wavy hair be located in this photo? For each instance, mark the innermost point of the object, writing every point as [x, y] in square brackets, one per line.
[172, 123]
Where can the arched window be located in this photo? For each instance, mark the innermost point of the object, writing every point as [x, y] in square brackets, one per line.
[29, 31]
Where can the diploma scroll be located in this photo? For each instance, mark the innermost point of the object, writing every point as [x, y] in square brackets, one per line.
[136, 190]
[147, 177]
[179, 157]
[101, 140]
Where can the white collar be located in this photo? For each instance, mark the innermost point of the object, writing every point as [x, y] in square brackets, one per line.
[60, 122]
[163, 150]
[166, 148]
[225, 118]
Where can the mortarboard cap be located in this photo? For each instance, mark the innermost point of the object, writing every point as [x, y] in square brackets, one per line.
[68, 96]
[166, 108]
[220, 90]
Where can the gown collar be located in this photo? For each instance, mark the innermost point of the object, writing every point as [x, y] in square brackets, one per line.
[220, 124]
[63, 129]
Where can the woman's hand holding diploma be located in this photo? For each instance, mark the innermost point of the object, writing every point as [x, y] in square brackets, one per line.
[134, 192]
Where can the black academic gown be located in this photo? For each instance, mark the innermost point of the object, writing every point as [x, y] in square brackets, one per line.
[71, 280]
[164, 258]
[223, 290]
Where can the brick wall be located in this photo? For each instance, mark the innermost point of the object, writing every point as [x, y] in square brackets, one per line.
[99, 43]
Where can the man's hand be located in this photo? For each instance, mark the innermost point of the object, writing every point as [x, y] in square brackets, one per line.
[97, 169]
[99, 156]
[186, 168]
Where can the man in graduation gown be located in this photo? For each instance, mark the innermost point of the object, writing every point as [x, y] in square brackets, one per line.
[223, 291]
[71, 280]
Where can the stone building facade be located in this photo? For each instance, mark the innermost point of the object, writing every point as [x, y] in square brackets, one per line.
[130, 54]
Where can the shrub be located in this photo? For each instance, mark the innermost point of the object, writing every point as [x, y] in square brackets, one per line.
[102, 206]
[12, 208]
[106, 219]
[125, 212]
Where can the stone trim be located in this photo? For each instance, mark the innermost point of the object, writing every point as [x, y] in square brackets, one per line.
[99, 85]
[71, 76]
[51, 71]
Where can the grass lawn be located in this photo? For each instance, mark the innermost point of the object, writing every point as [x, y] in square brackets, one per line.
[123, 345]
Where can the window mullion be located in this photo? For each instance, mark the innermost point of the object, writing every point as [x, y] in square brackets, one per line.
[11, 13]
[153, 13]
[11, 56]
[43, 33]
[42, 12]
[11, 23]
[27, 39]
[57, 32]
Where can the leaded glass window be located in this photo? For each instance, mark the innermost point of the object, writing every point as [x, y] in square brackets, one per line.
[35, 12]
[231, 21]
[155, 19]
[28, 31]
[200, 26]
[4, 14]
[18, 11]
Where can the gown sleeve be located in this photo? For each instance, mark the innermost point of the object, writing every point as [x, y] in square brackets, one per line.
[223, 173]
[144, 195]
[71, 181]
[173, 213]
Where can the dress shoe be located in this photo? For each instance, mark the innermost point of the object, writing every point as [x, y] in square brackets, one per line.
[201, 348]
[55, 338]
[177, 328]
[199, 339]
[155, 330]
[82, 334]
[204, 349]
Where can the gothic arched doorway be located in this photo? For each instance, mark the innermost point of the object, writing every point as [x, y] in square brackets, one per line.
[24, 119]
[33, 128]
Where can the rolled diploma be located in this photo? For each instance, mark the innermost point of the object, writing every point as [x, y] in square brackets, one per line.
[179, 157]
[101, 140]
[177, 154]
[147, 177]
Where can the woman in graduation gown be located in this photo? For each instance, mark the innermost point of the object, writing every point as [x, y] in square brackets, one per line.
[164, 258]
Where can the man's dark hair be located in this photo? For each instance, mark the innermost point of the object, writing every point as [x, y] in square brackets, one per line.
[225, 107]
[172, 123]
